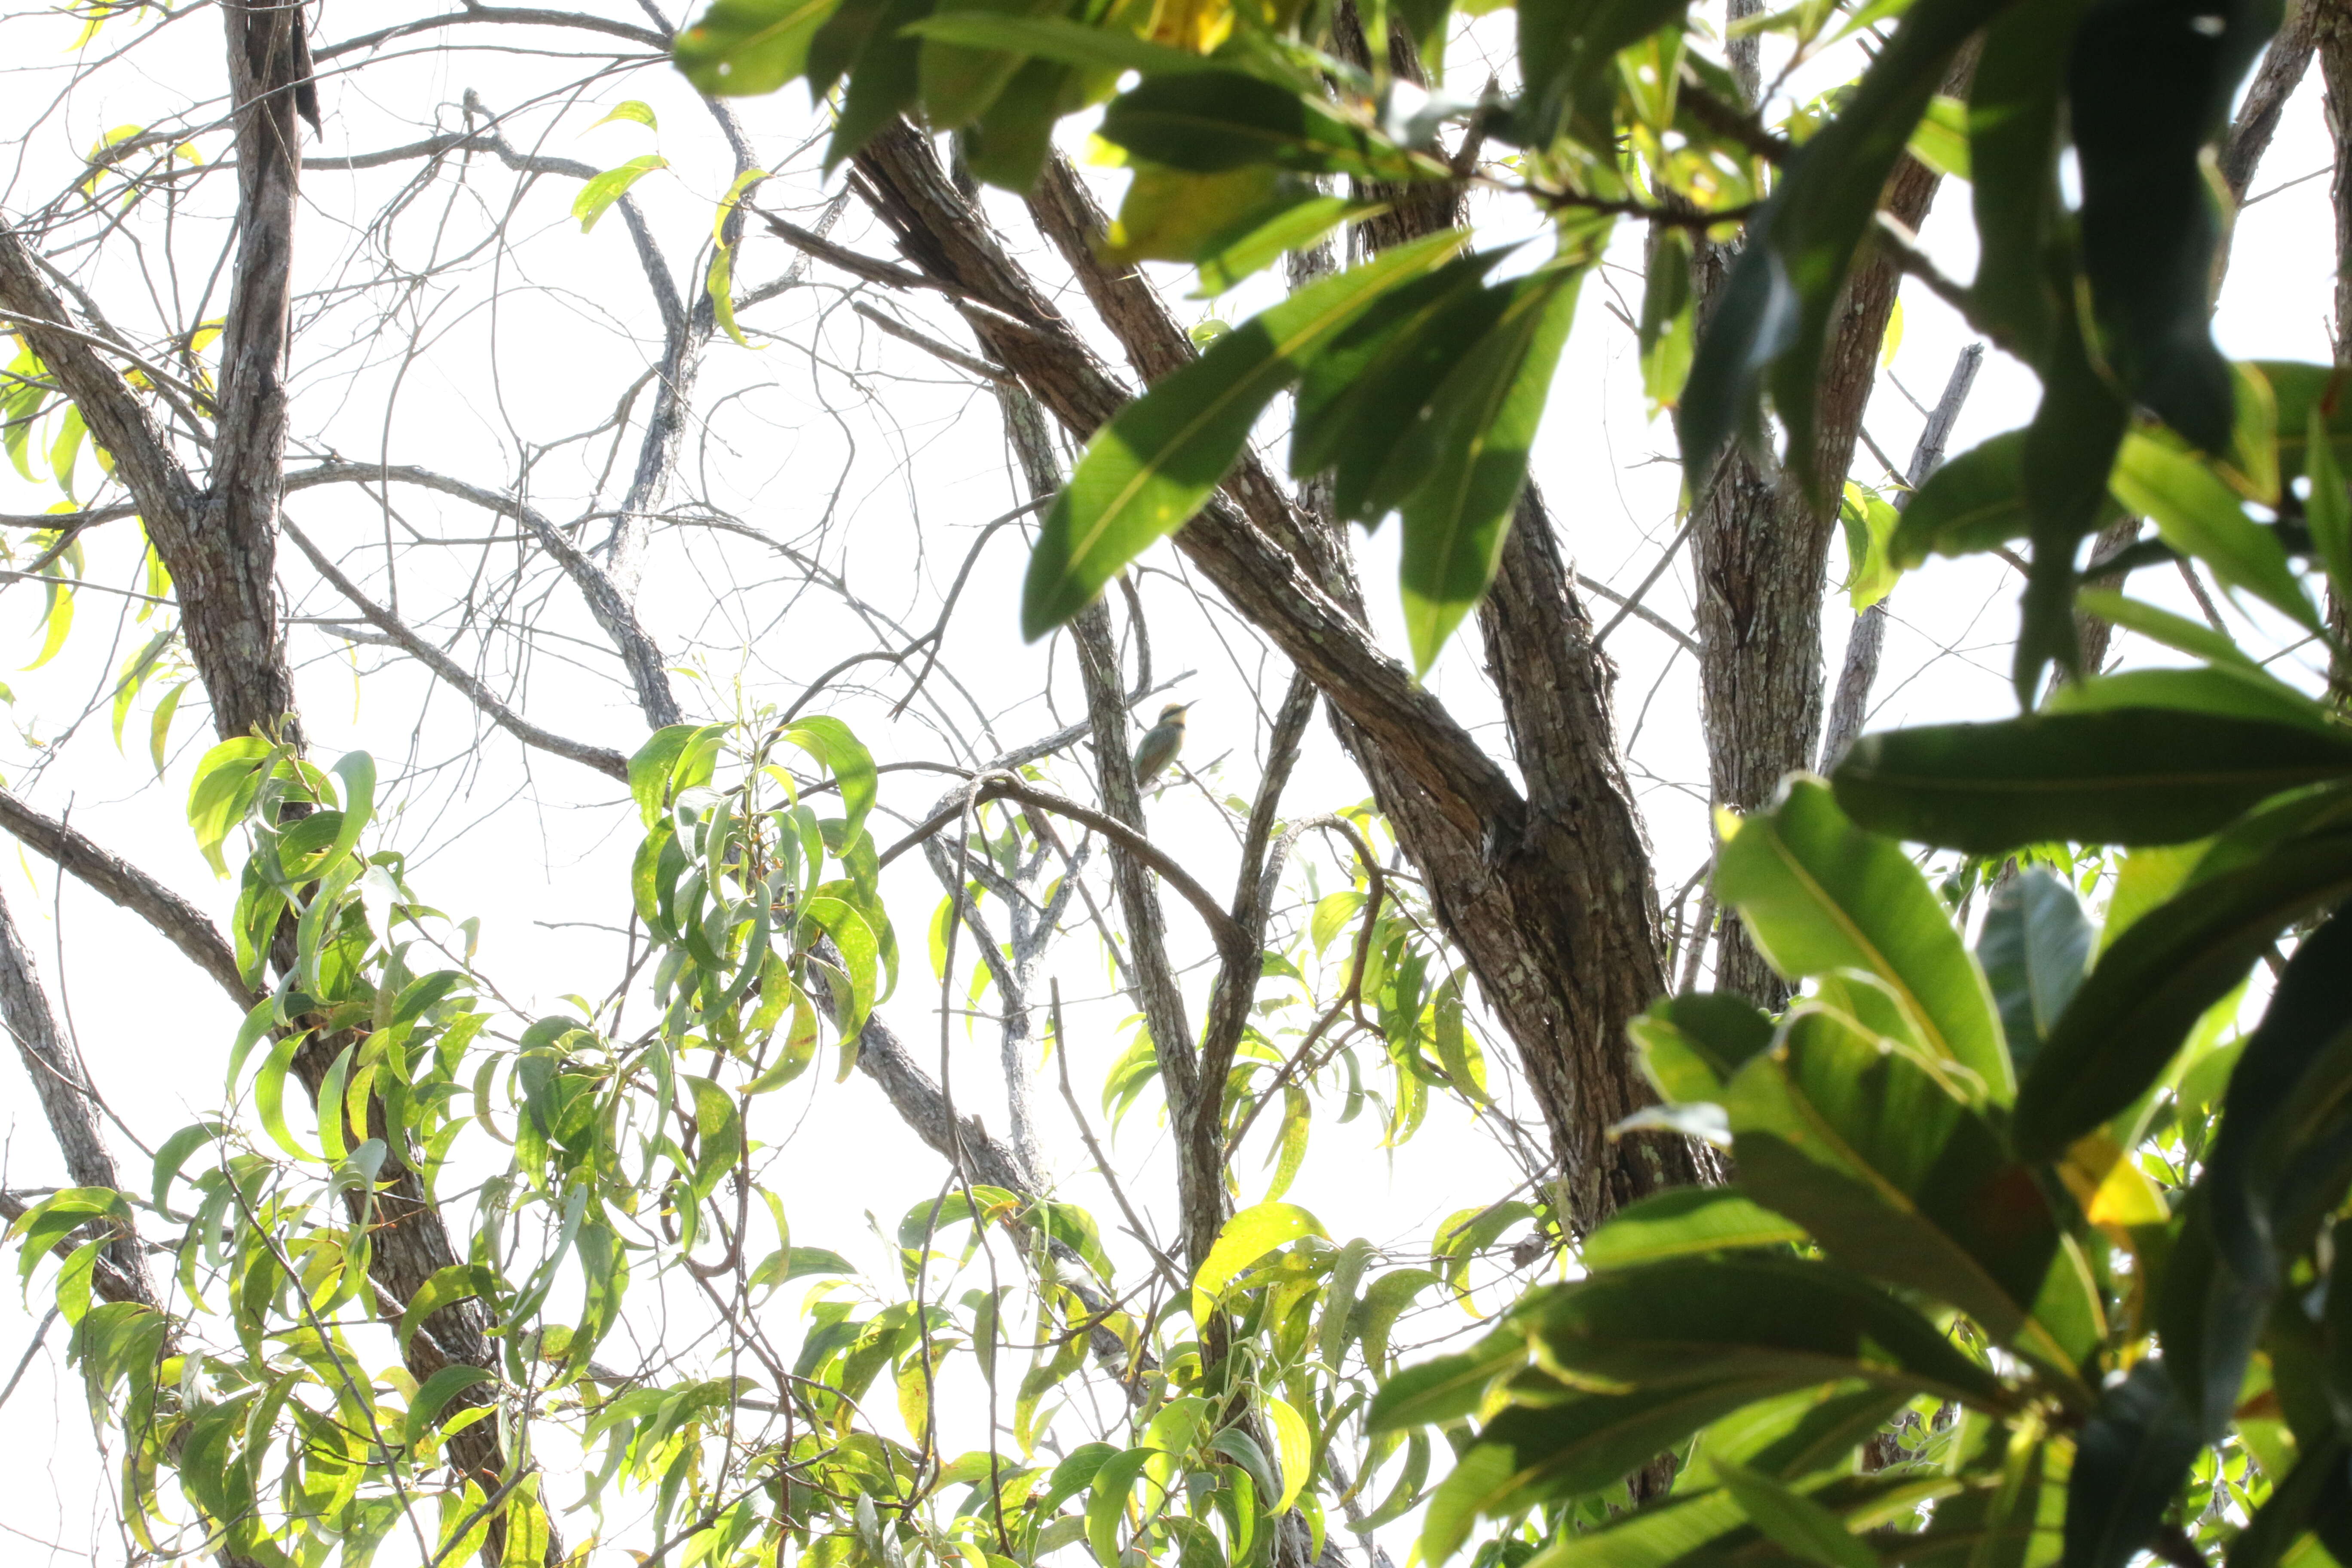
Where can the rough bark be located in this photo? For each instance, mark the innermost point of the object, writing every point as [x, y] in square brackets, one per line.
[2332, 31]
[1519, 894]
[1761, 547]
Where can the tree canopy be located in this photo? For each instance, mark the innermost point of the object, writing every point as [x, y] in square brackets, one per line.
[1951, 1171]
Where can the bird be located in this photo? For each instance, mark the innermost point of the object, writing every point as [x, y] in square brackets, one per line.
[1159, 744]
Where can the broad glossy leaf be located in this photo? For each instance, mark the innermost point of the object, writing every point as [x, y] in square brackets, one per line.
[1150, 467]
[2146, 93]
[1051, 37]
[740, 49]
[1106, 1500]
[2035, 946]
[2068, 457]
[2150, 988]
[1010, 142]
[1897, 1176]
[1366, 388]
[1566, 50]
[2173, 631]
[2129, 1462]
[1473, 455]
[1685, 1222]
[1449, 1387]
[2141, 776]
[1746, 1318]
[1819, 894]
[1168, 214]
[2327, 510]
[883, 74]
[1208, 122]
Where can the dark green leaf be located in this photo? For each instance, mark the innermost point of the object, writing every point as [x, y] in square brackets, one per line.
[2128, 1463]
[2034, 947]
[2319, 1486]
[1009, 143]
[2199, 514]
[2294, 1071]
[1472, 454]
[1567, 49]
[1794, 1521]
[1150, 467]
[884, 81]
[2151, 986]
[958, 80]
[2069, 453]
[2014, 134]
[2230, 691]
[1525, 1456]
[1038, 32]
[2147, 88]
[1447, 1388]
[2125, 776]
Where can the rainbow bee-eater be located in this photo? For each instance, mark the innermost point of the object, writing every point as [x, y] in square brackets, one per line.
[1159, 744]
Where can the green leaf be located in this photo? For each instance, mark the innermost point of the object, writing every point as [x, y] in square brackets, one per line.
[1974, 503]
[1107, 1502]
[2034, 947]
[1474, 455]
[2150, 988]
[2173, 631]
[1295, 1447]
[959, 81]
[608, 188]
[1685, 1222]
[1074, 1475]
[1819, 894]
[2069, 458]
[1692, 1044]
[884, 82]
[1940, 139]
[835, 744]
[741, 48]
[2145, 94]
[2124, 776]
[1748, 1318]
[1794, 1521]
[1210, 121]
[435, 1396]
[2014, 119]
[672, 759]
[457, 1282]
[2229, 690]
[2199, 514]
[1056, 38]
[2128, 1463]
[1446, 1387]
[1366, 389]
[2327, 510]
[1897, 1176]
[1567, 49]
[1246, 1237]
[635, 111]
[1153, 466]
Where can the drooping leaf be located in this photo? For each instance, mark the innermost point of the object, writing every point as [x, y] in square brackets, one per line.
[1211, 120]
[1473, 457]
[597, 196]
[2146, 90]
[2200, 515]
[1246, 1237]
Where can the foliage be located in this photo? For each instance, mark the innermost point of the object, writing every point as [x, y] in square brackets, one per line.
[2051, 1215]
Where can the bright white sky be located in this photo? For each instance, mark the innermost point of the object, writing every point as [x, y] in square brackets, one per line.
[532, 845]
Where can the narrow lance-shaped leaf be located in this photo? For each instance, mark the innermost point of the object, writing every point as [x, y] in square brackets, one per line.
[1152, 467]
